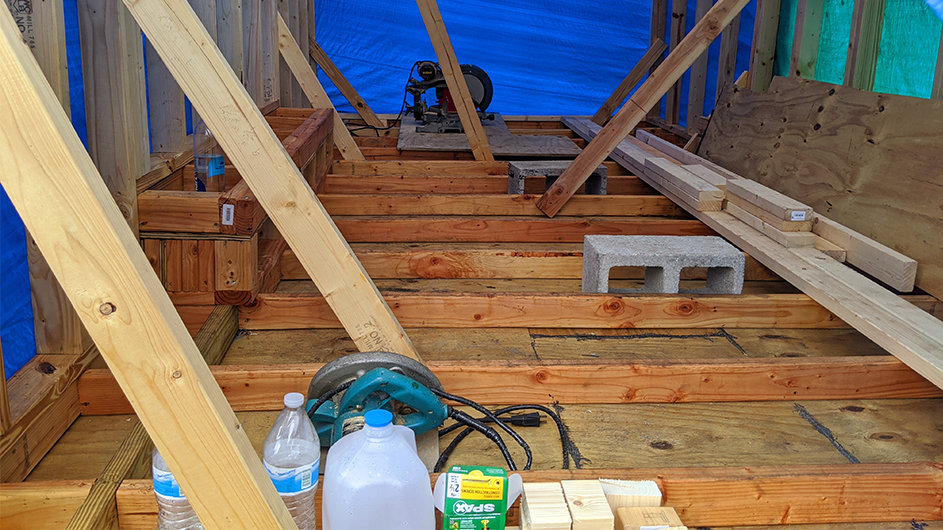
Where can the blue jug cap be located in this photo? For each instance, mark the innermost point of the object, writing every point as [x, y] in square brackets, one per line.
[378, 418]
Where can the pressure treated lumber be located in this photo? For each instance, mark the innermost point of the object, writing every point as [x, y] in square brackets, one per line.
[654, 53]
[729, 496]
[577, 310]
[844, 176]
[306, 77]
[133, 458]
[101, 266]
[272, 175]
[448, 62]
[897, 326]
[695, 43]
[44, 505]
[337, 77]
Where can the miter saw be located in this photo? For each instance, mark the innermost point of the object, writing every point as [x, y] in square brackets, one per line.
[442, 117]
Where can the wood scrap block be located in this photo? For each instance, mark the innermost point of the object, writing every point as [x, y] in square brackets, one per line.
[648, 519]
[772, 201]
[786, 239]
[886, 264]
[683, 179]
[588, 506]
[769, 218]
[543, 507]
[630, 493]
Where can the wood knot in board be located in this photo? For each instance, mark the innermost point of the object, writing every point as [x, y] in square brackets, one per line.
[662, 445]
[541, 376]
[176, 374]
[46, 368]
[107, 308]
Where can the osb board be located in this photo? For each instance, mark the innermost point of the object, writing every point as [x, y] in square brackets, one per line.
[869, 161]
[500, 139]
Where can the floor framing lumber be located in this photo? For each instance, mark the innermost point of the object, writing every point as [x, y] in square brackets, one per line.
[102, 268]
[896, 325]
[271, 174]
[647, 96]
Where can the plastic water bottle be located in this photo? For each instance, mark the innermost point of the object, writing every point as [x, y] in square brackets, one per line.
[173, 509]
[373, 479]
[209, 161]
[292, 457]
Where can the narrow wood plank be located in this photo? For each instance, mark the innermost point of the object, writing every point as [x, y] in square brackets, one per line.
[270, 56]
[786, 239]
[405, 229]
[495, 205]
[830, 249]
[654, 53]
[237, 264]
[697, 41]
[765, 32]
[312, 88]
[6, 418]
[899, 327]
[448, 62]
[121, 302]
[179, 211]
[173, 259]
[262, 387]
[115, 106]
[43, 505]
[252, 50]
[337, 77]
[540, 310]
[727, 65]
[698, 78]
[805, 40]
[276, 181]
[419, 168]
[687, 182]
[229, 33]
[165, 103]
[885, 264]
[867, 21]
[777, 204]
[678, 23]
[773, 220]
[190, 277]
[285, 81]
[937, 90]
[730, 496]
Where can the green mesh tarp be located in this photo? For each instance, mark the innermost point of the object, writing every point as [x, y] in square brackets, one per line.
[907, 57]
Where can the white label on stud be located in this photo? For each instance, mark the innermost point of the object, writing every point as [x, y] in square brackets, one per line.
[229, 211]
[798, 216]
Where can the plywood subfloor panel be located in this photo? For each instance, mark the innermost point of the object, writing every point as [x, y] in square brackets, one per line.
[869, 161]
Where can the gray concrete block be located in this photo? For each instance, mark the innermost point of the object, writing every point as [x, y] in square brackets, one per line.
[518, 171]
[663, 257]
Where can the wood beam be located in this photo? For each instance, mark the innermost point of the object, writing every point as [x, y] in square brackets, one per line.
[577, 310]
[455, 80]
[658, 22]
[268, 169]
[165, 103]
[337, 77]
[229, 33]
[805, 40]
[727, 61]
[765, 32]
[115, 106]
[302, 71]
[257, 388]
[698, 78]
[101, 266]
[679, 60]
[896, 325]
[867, 21]
[133, 459]
[678, 24]
[654, 53]
[252, 52]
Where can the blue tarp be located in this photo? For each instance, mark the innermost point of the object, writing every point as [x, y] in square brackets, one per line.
[544, 57]
[16, 310]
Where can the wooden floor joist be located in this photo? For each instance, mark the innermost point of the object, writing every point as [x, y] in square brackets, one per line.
[258, 388]
[896, 325]
[271, 174]
[103, 270]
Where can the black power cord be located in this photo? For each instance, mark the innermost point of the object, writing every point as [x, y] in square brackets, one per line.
[479, 426]
[401, 110]
[328, 395]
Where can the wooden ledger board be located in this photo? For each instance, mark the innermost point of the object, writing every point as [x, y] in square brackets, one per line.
[866, 160]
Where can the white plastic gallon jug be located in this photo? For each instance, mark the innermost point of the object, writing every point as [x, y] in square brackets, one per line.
[374, 479]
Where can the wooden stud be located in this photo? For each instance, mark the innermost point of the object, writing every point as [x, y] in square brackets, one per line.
[299, 66]
[805, 40]
[133, 459]
[190, 265]
[937, 90]
[337, 77]
[867, 20]
[765, 32]
[727, 65]
[115, 106]
[252, 52]
[173, 259]
[673, 97]
[270, 57]
[658, 21]
[771, 219]
[6, 418]
[884, 263]
[698, 79]
[229, 33]
[588, 506]
[897, 326]
[654, 53]
[165, 105]
[455, 80]
[770, 200]
[830, 249]
[786, 239]
[121, 302]
[703, 33]
[272, 175]
[285, 85]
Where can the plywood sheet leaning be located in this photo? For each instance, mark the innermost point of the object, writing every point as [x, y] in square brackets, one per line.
[868, 161]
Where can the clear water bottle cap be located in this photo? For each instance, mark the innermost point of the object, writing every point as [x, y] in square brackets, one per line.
[378, 418]
[294, 400]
